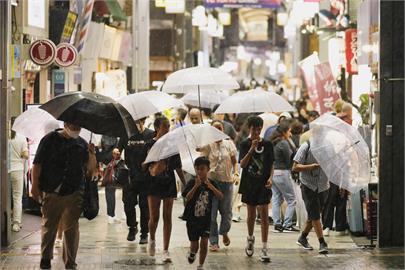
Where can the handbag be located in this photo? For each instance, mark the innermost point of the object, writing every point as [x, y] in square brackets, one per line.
[90, 199]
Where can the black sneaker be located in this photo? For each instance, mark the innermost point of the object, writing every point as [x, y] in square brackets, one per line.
[144, 239]
[290, 229]
[303, 242]
[323, 248]
[45, 264]
[271, 222]
[191, 257]
[131, 234]
[278, 228]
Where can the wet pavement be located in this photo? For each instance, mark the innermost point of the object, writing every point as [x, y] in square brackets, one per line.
[104, 246]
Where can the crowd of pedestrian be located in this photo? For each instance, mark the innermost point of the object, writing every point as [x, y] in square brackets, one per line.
[273, 167]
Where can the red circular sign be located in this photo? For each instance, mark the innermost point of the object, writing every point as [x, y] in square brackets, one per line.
[65, 54]
[43, 52]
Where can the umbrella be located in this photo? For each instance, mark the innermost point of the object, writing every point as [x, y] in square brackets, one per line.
[341, 152]
[256, 100]
[186, 137]
[195, 79]
[97, 113]
[35, 123]
[269, 119]
[207, 99]
[143, 104]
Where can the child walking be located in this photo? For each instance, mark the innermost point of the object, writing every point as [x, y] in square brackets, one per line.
[199, 193]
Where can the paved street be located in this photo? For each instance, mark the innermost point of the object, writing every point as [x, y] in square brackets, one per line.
[104, 246]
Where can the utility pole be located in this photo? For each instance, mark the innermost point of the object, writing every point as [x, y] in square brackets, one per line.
[5, 83]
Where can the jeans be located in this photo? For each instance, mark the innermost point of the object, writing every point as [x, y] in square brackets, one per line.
[335, 200]
[225, 209]
[136, 193]
[283, 190]
[17, 185]
[110, 199]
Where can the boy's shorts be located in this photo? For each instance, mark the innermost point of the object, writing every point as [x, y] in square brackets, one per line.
[197, 229]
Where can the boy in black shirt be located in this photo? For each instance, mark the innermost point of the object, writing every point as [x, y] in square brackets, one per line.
[199, 193]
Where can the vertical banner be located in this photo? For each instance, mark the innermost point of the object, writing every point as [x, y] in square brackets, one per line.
[307, 69]
[140, 66]
[351, 51]
[326, 87]
[69, 27]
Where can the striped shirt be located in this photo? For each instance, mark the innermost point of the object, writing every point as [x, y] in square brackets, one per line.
[315, 180]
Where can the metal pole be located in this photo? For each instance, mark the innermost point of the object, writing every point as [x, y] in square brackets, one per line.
[5, 41]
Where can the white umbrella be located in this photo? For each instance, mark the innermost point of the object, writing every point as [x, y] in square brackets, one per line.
[143, 104]
[199, 79]
[256, 100]
[341, 152]
[269, 119]
[186, 137]
[35, 123]
[206, 99]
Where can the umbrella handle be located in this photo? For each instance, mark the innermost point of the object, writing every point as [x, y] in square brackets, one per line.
[91, 137]
[188, 147]
[199, 103]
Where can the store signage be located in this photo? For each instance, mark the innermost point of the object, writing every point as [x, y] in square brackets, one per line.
[66, 55]
[69, 27]
[326, 86]
[351, 51]
[43, 52]
[242, 3]
[307, 67]
[58, 81]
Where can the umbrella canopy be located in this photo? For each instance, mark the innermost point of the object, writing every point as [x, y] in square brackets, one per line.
[269, 119]
[256, 100]
[143, 104]
[199, 78]
[97, 113]
[186, 137]
[341, 152]
[207, 99]
[35, 123]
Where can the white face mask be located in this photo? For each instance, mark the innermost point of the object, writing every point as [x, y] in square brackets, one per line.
[72, 133]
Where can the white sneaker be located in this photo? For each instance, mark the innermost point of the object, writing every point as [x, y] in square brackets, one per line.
[326, 232]
[58, 243]
[166, 257]
[264, 257]
[111, 220]
[16, 227]
[152, 247]
[250, 249]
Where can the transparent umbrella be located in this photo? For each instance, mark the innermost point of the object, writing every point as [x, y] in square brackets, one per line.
[206, 99]
[35, 123]
[186, 137]
[143, 104]
[257, 100]
[341, 152]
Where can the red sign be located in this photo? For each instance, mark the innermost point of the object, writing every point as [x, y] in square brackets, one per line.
[351, 51]
[43, 52]
[327, 88]
[66, 55]
[307, 69]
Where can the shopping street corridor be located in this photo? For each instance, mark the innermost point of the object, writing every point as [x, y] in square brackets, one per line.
[104, 246]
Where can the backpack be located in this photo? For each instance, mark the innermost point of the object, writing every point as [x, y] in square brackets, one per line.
[296, 175]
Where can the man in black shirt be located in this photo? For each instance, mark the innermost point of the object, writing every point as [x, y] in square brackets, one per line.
[137, 190]
[61, 163]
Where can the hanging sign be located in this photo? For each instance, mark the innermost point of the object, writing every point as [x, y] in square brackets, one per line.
[43, 52]
[66, 55]
[58, 82]
[242, 3]
[307, 67]
[69, 27]
[351, 51]
[326, 87]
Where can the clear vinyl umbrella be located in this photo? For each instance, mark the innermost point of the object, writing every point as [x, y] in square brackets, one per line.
[183, 139]
[341, 152]
[257, 100]
[143, 104]
[35, 123]
[207, 99]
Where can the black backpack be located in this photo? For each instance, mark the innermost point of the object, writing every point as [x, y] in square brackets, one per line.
[296, 175]
[90, 199]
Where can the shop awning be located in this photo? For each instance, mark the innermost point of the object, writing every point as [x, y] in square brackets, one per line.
[110, 7]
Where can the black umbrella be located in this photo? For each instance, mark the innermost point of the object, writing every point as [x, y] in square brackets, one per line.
[97, 113]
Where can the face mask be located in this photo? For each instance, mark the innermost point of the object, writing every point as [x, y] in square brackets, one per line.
[72, 133]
